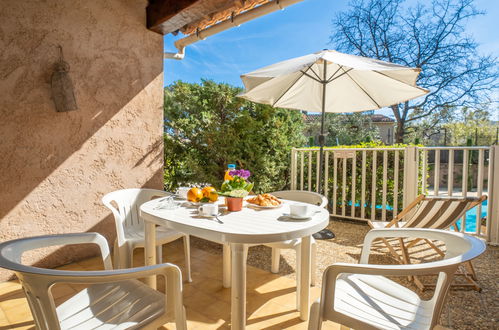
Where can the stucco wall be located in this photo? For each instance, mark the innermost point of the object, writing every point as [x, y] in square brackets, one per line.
[55, 167]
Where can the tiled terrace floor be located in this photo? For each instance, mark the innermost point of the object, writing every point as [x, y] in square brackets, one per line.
[271, 298]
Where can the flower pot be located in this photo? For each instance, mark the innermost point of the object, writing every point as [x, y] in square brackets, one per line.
[234, 204]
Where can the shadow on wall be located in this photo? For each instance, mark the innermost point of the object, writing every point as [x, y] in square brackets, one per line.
[113, 59]
[54, 166]
[73, 253]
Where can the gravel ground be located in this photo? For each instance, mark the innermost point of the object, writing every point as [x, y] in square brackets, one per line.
[465, 308]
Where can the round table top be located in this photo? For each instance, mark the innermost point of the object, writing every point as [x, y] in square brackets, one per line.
[251, 225]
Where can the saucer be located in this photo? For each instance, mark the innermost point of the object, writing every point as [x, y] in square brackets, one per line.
[299, 217]
[207, 216]
[296, 217]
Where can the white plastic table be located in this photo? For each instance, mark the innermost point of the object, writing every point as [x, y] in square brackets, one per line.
[249, 226]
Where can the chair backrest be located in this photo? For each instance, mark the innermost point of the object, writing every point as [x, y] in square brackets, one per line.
[126, 208]
[441, 212]
[459, 248]
[36, 281]
[302, 196]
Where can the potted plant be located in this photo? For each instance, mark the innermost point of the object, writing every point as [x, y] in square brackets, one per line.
[236, 188]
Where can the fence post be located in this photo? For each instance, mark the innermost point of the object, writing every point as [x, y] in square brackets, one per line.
[293, 169]
[493, 197]
[410, 175]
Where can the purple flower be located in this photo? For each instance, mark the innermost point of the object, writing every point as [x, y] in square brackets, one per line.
[240, 173]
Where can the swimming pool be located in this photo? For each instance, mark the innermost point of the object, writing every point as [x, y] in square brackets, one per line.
[471, 218]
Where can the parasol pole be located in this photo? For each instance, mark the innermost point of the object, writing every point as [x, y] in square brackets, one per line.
[324, 233]
[322, 136]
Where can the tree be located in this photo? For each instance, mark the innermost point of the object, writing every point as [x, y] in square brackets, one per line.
[429, 37]
[473, 125]
[344, 129]
[208, 127]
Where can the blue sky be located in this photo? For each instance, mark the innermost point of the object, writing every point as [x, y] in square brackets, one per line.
[298, 30]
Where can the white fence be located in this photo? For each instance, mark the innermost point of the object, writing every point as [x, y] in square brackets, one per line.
[376, 183]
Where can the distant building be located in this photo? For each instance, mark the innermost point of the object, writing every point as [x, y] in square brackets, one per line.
[385, 125]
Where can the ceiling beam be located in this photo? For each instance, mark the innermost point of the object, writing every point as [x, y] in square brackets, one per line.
[167, 16]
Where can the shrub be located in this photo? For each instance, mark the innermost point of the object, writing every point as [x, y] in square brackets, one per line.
[208, 127]
[390, 184]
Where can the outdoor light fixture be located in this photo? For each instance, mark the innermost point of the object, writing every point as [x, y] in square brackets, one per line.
[62, 86]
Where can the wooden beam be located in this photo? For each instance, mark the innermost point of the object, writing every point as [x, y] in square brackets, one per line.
[167, 16]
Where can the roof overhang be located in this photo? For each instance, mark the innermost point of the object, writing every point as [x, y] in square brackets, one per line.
[189, 16]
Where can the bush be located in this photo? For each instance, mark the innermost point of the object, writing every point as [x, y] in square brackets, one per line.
[208, 127]
[390, 185]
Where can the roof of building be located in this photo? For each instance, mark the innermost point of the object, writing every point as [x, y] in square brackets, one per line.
[375, 118]
[189, 16]
[378, 118]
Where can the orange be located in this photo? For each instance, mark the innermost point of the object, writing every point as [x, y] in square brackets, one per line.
[213, 196]
[207, 190]
[194, 194]
[210, 193]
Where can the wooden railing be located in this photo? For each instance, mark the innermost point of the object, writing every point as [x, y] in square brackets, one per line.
[376, 183]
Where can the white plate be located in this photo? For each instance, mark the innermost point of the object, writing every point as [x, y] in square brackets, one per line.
[264, 207]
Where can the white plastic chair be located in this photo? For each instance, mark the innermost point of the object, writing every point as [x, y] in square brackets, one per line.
[295, 244]
[130, 227]
[115, 299]
[359, 296]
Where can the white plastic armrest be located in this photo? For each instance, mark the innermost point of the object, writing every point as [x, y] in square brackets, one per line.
[374, 234]
[106, 276]
[16, 250]
[386, 270]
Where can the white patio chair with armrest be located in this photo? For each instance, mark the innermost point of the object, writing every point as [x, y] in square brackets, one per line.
[295, 244]
[433, 212]
[360, 297]
[130, 228]
[114, 299]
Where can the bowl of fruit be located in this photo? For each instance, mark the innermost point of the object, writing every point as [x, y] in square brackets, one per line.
[198, 196]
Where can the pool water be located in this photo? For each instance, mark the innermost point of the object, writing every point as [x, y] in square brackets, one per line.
[471, 218]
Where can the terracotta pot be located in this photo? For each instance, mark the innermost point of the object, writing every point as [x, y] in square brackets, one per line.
[234, 204]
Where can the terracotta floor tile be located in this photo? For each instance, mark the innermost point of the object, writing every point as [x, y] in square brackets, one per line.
[199, 301]
[60, 290]
[274, 316]
[59, 300]
[4, 322]
[18, 311]
[198, 321]
[9, 288]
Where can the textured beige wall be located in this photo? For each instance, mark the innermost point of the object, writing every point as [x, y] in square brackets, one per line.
[55, 167]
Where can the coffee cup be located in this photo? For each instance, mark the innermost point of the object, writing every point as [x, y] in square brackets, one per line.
[208, 210]
[182, 192]
[299, 210]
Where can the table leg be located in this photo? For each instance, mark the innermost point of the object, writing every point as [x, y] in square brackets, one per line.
[150, 250]
[226, 266]
[305, 277]
[238, 293]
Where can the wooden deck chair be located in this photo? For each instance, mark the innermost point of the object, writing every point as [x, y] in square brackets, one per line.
[435, 213]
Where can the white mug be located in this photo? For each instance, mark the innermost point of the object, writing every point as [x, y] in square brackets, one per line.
[209, 210]
[182, 192]
[299, 210]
